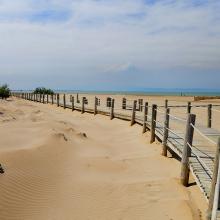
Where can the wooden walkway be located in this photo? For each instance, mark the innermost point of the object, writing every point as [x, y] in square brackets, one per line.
[201, 161]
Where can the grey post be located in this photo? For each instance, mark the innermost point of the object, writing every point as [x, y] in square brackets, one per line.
[40, 97]
[64, 101]
[112, 109]
[166, 103]
[77, 98]
[58, 100]
[214, 181]
[83, 105]
[189, 106]
[72, 103]
[184, 178]
[141, 105]
[166, 132]
[124, 103]
[47, 98]
[52, 99]
[95, 106]
[133, 112]
[145, 117]
[43, 98]
[209, 123]
[153, 123]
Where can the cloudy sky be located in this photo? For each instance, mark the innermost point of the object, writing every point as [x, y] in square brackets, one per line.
[110, 44]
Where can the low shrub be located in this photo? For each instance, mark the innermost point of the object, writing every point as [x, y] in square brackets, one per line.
[4, 92]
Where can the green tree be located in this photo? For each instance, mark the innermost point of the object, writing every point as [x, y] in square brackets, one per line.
[4, 91]
[42, 90]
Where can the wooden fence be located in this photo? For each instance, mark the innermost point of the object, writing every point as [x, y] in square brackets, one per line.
[197, 146]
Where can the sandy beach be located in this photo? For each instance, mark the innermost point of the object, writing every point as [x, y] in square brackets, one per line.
[64, 165]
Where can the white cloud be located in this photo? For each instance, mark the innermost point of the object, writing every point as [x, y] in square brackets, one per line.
[109, 35]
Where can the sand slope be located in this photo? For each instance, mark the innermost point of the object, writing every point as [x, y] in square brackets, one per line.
[63, 165]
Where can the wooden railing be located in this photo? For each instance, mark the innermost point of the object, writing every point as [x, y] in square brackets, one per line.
[179, 135]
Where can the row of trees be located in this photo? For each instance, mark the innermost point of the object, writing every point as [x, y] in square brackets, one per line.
[5, 92]
[42, 90]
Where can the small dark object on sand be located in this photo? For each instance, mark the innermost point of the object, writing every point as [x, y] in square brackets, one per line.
[1, 169]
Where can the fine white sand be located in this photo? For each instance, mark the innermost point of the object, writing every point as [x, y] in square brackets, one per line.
[64, 165]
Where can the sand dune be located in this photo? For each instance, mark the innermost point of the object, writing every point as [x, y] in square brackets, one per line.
[63, 165]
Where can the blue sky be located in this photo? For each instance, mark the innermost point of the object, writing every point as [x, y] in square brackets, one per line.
[110, 44]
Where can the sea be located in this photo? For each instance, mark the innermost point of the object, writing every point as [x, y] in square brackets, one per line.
[150, 92]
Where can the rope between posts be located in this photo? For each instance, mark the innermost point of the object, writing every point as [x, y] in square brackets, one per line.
[216, 110]
[159, 123]
[175, 133]
[203, 135]
[199, 158]
[177, 118]
[162, 112]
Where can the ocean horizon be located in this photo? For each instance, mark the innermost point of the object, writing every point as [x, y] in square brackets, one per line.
[151, 92]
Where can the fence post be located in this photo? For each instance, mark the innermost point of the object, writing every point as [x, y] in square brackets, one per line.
[77, 98]
[64, 101]
[58, 100]
[95, 106]
[165, 132]
[189, 107]
[153, 123]
[145, 117]
[166, 103]
[47, 98]
[43, 98]
[140, 105]
[83, 105]
[124, 103]
[52, 99]
[209, 116]
[214, 181]
[184, 178]
[133, 112]
[72, 103]
[112, 109]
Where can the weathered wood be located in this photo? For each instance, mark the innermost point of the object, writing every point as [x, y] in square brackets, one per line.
[145, 117]
[64, 101]
[77, 98]
[83, 105]
[189, 106]
[124, 101]
[209, 122]
[95, 105]
[184, 178]
[52, 99]
[73, 108]
[140, 105]
[108, 102]
[58, 100]
[112, 109]
[214, 181]
[165, 132]
[133, 112]
[166, 103]
[153, 123]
